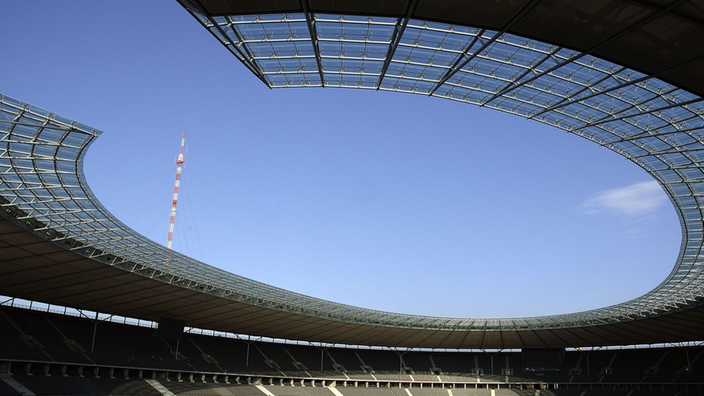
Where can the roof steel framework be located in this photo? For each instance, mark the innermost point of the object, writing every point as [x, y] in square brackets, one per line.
[656, 124]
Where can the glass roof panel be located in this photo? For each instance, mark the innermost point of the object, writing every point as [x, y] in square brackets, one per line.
[649, 121]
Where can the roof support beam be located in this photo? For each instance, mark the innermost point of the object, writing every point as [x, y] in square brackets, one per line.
[310, 21]
[245, 56]
[652, 133]
[614, 117]
[459, 63]
[401, 24]
[567, 101]
[591, 50]
[517, 82]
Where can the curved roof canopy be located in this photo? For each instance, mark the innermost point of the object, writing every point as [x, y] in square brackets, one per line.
[625, 75]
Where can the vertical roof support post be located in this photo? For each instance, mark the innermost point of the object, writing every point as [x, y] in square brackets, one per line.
[396, 39]
[310, 20]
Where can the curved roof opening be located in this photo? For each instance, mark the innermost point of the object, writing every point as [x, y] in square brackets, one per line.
[649, 121]
[400, 203]
[390, 202]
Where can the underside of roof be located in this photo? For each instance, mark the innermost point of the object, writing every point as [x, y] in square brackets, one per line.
[40, 270]
[659, 38]
[626, 75]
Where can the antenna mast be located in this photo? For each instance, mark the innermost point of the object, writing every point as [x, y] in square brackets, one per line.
[179, 166]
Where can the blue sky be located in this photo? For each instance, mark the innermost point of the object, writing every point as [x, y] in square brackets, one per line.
[388, 201]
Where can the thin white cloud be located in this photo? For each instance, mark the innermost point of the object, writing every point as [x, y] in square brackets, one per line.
[637, 199]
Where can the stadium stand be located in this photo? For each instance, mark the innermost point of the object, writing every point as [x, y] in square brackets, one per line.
[49, 353]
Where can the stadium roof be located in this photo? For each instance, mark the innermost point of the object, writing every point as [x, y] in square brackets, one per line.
[626, 75]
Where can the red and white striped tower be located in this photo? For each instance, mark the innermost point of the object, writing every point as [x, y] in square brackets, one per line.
[179, 166]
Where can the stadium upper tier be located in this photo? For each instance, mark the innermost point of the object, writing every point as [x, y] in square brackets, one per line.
[60, 245]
